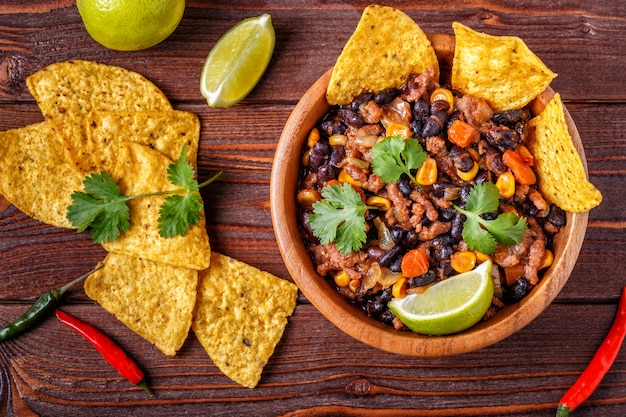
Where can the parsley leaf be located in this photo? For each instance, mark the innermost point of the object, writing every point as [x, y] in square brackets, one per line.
[481, 234]
[395, 155]
[340, 217]
[102, 207]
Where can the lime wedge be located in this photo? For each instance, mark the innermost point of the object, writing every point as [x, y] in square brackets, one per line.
[237, 61]
[449, 306]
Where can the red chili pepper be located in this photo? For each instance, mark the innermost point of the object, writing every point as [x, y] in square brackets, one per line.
[600, 364]
[113, 354]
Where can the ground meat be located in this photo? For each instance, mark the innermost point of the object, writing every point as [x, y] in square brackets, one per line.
[529, 252]
[431, 212]
[371, 112]
[373, 183]
[328, 258]
[419, 85]
[357, 173]
[476, 112]
[434, 230]
[435, 145]
[399, 213]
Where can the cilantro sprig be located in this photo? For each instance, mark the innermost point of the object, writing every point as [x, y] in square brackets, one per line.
[395, 155]
[340, 217]
[481, 234]
[102, 207]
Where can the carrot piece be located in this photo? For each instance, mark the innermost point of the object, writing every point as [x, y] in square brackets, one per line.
[461, 133]
[518, 165]
[414, 263]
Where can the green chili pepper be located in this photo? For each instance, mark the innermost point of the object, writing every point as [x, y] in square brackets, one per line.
[42, 307]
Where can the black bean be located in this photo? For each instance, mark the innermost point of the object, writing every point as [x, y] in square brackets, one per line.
[503, 138]
[374, 308]
[307, 232]
[421, 110]
[390, 256]
[482, 176]
[517, 291]
[556, 216]
[492, 215]
[445, 252]
[442, 240]
[422, 280]
[410, 239]
[456, 230]
[432, 127]
[465, 190]
[318, 154]
[396, 265]
[337, 153]
[509, 118]
[374, 253]
[397, 233]
[325, 173]
[404, 185]
[333, 127]
[387, 316]
[440, 105]
[386, 96]
[386, 295]
[349, 117]
[417, 126]
[455, 115]
[360, 100]
[447, 214]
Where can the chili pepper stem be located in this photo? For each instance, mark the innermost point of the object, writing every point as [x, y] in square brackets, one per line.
[63, 289]
[562, 411]
[143, 384]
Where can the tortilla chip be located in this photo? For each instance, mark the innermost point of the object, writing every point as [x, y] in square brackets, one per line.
[67, 91]
[499, 69]
[137, 170]
[562, 177]
[153, 300]
[385, 48]
[240, 316]
[166, 132]
[35, 176]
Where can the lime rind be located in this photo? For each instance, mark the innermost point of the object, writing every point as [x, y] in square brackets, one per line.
[237, 62]
[449, 306]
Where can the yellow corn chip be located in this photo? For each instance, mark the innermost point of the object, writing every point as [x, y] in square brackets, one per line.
[35, 176]
[154, 300]
[139, 169]
[165, 131]
[562, 176]
[68, 91]
[385, 48]
[499, 69]
[240, 316]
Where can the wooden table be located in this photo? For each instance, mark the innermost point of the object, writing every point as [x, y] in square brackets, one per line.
[316, 369]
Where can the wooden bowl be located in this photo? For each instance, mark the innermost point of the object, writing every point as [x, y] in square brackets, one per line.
[349, 317]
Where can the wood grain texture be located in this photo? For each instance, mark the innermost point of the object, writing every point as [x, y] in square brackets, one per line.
[316, 370]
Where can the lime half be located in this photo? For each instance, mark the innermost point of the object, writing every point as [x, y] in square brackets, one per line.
[237, 61]
[449, 306]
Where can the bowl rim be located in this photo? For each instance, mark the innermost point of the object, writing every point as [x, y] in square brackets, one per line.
[350, 318]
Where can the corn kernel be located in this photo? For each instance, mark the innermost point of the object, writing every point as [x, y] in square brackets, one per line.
[463, 261]
[506, 185]
[396, 129]
[306, 157]
[445, 95]
[547, 259]
[342, 279]
[306, 197]
[345, 177]
[469, 175]
[381, 202]
[398, 290]
[313, 138]
[481, 257]
[354, 285]
[340, 140]
[427, 173]
[473, 153]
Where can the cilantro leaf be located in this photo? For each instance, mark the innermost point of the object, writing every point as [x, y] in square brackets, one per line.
[178, 213]
[395, 155]
[102, 207]
[481, 234]
[182, 173]
[340, 217]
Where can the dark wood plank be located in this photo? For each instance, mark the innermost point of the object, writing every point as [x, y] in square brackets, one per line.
[574, 41]
[314, 368]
